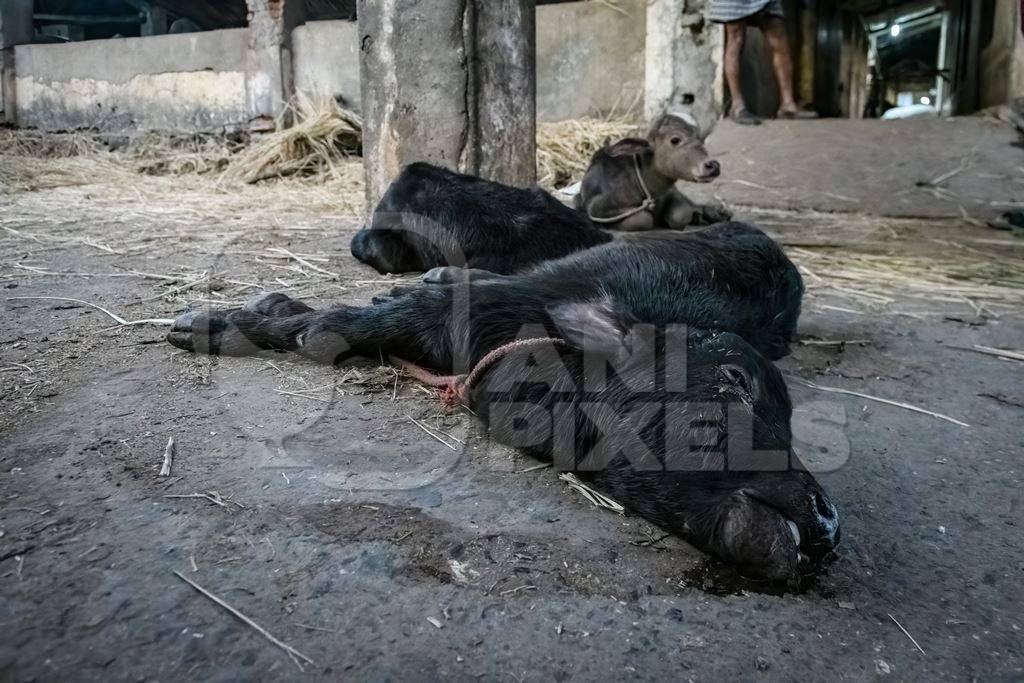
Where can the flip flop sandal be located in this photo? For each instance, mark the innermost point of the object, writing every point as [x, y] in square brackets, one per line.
[799, 114]
[744, 117]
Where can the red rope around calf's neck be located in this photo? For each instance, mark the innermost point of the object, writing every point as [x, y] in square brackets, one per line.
[454, 389]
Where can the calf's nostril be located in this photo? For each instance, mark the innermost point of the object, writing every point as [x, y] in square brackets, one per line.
[711, 168]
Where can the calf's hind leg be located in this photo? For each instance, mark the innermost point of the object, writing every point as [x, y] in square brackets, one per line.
[443, 275]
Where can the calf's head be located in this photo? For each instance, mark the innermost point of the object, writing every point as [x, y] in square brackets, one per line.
[691, 431]
[679, 151]
[762, 511]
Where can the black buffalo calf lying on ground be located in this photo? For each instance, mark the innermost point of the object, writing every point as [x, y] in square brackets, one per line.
[691, 427]
[432, 217]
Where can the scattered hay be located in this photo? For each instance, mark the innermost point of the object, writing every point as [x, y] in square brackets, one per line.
[564, 148]
[979, 281]
[31, 174]
[595, 497]
[323, 145]
[39, 145]
[884, 261]
[320, 144]
[163, 154]
[323, 135]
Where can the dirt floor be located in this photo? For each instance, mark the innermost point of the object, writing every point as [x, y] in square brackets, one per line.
[313, 500]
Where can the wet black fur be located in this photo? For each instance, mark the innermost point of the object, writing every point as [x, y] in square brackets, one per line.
[431, 217]
[730, 285]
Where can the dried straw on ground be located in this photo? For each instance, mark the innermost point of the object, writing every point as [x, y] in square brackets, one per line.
[162, 154]
[32, 143]
[321, 144]
[881, 279]
[867, 259]
[564, 148]
[323, 133]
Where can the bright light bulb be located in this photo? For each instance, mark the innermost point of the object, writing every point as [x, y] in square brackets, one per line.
[926, 100]
[895, 30]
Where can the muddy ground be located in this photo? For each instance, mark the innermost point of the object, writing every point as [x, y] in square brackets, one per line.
[339, 525]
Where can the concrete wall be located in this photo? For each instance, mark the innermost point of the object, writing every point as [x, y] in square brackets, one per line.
[590, 59]
[683, 55]
[184, 82]
[326, 55]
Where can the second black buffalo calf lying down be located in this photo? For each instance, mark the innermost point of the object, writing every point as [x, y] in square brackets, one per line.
[432, 217]
[689, 429]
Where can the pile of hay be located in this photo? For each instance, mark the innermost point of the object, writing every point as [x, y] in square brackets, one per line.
[564, 148]
[33, 143]
[320, 144]
[322, 135]
[27, 159]
[151, 153]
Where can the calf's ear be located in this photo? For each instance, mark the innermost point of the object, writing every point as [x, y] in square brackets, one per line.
[591, 326]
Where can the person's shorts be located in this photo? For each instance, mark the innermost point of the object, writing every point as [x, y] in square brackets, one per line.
[724, 11]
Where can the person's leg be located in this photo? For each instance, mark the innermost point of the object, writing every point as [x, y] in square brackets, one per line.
[735, 33]
[774, 30]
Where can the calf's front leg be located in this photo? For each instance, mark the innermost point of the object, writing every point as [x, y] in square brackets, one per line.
[709, 214]
[450, 275]
[412, 327]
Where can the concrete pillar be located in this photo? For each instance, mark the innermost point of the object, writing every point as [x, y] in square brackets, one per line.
[1002, 60]
[15, 29]
[269, 73]
[451, 82]
[683, 61]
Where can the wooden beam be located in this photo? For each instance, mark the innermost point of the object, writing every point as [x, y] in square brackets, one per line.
[270, 83]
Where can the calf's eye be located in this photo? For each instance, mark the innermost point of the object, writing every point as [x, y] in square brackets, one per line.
[676, 140]
[741, 378]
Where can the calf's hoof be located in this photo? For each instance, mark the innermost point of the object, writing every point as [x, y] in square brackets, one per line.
[445, 275]
[716, 213]
[275, 305]
[215, 333]
[450, 275]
